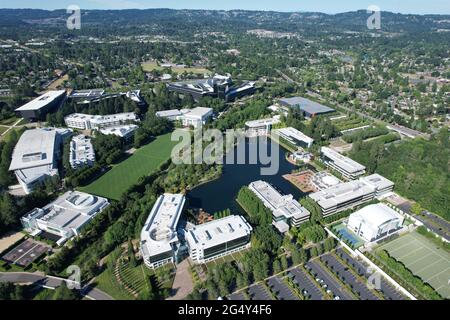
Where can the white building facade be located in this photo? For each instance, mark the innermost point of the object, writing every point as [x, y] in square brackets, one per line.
[159, 242]
[219, 238]
[374, 222]
[347, 167]
[86, 122]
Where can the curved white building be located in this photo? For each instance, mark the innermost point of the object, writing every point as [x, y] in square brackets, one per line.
[66, 216]
[375, 221]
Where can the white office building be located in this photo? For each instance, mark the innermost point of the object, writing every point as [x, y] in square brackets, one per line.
[188, 117]
[374, 222]
[81, 152]
[35, 157]
[66, 216]
[159, 239]
[261, 127]
[212, 240]
[286, 211]
[295, 137]
[85, 121]
[125, 132]
[347, 167]
[348, 195]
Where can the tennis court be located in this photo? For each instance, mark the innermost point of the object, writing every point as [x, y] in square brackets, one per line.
[424, 258]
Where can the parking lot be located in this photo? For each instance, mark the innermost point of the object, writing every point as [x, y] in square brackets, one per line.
[25, 253]
[237, 296]
[362, 269]
[329, 281]
[282, 291]
[346, 276]
[258, 292]
[305, 283]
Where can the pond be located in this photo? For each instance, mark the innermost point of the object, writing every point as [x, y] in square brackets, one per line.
[221, 194]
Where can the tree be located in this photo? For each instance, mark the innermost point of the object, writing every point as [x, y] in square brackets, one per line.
[276, 266]
[64, 293]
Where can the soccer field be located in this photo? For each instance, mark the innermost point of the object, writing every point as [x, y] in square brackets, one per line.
[424, 259]
[127, 173]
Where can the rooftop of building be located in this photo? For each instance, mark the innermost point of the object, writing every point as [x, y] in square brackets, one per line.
[294, 133]
[71, 210]
[344, 162]
[120, 131]
[341, 193]
[307, 105]
[35, 148]
[160, 228]
[102, 118]
[218, 231]
[378, 181]
[81, 149]
[42, 100]
[262, 122]
[88, 94]
[377, 214]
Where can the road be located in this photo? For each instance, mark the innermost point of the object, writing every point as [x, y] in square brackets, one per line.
[50, 282]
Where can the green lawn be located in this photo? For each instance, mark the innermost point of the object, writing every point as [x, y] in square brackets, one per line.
[121, 177]
[150, 66]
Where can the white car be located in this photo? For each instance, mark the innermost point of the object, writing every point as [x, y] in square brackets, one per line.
[337, 298]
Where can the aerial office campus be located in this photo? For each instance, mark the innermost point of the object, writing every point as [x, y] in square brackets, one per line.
[360, 121]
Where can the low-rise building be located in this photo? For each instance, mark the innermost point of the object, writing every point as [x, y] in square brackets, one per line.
[81, 152]
[294, 137]
[347, 167]
[286, 211]
[35, 157]
[125, 132]
[308, 107]
[66, 216]
[159, 238]
[85, 121]
[218, 238]
[260, 127]
[348, 195]
[374, 222]
[38, 108]
[188, 117]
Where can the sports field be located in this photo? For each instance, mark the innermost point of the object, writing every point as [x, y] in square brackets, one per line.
[424, 259]
[143, 162]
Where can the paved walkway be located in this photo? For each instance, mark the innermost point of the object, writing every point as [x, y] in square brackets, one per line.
[183, 284]
[50, 282]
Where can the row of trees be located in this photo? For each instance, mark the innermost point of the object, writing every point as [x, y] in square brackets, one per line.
[258, 213]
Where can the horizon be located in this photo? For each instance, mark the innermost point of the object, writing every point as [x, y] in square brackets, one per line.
[433, 7]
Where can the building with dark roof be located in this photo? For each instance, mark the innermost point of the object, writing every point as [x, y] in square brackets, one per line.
[216, 87]
[309, 108]
[38, 108]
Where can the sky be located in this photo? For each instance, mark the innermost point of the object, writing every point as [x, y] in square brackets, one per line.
[326, 6]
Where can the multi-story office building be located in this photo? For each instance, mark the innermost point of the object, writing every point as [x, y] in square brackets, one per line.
[218, 238]
[81, 152]
[260, 127]
[38, 108]
[351, 194]
[294, 137]
[66, 216]
[347, 167]
[86, 121]
[35, 157]
[159, 238]
[286, 211]
[125, 132]
[218, 87]
[188, 117]
[374, 222]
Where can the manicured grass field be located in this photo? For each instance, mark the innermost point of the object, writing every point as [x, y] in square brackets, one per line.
[424, 258]
[150, 66]
[127, 173]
